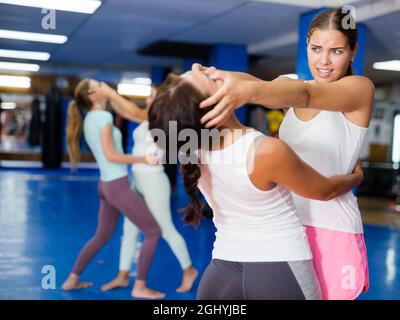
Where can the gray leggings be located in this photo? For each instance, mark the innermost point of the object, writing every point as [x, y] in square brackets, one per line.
[116, 196]
[228, 280]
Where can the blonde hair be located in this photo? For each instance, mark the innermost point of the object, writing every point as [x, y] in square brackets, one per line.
[74, 122]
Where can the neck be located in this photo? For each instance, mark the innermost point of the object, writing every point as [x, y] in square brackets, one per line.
[232, 123]
[229, 130]
[97, 106]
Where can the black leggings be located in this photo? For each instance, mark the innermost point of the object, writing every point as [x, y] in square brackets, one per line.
[228, 280]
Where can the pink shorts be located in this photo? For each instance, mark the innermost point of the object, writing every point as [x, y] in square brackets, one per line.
[340, 262]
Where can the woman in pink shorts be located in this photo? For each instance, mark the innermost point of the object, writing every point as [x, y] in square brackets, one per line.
[326, 123]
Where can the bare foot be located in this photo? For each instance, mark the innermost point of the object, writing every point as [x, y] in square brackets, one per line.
[147, 293]
[140, 290]
[73, 283]
[118, 282]
[189, 276]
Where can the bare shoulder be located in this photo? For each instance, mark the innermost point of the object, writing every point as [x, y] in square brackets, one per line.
[269, 156]
[359, 83]
[271, 151]
[365, 90]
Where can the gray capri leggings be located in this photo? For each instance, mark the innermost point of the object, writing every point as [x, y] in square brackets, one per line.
[228, 280]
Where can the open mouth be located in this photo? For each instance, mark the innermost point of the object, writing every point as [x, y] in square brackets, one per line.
[324, 73]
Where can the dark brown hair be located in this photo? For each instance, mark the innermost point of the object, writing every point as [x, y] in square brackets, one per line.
[332, 19]
[178, 100]
[74, 123]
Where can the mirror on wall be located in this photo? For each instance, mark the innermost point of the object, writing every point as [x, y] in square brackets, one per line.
[21, 123]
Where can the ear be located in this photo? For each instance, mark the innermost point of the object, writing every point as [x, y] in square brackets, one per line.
[92, 98]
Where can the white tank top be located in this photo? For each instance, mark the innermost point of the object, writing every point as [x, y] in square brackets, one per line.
[143, 142]
[252, 225]
[331, 144]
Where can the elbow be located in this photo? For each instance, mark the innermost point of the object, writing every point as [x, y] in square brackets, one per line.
[139, 115]
[130, 115]
[305, 102]
[327, 195]
[110, 157]
[302, 97]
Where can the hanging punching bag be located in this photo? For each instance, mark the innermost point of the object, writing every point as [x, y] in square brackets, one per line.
[1, 110]
[52, 134]
[36, 124]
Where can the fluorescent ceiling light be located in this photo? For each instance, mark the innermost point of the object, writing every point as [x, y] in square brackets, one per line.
[18, 98]
[15, 82]
[146, 81]
[31, 36]
[8, 105]
[31, 55]
[81, 6]
[19, 66]
[396, 140]
[131, 89]
[392, 65]
[311, 3]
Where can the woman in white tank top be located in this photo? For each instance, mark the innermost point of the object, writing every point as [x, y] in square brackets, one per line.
[260, 250]
[152, 183]
[326, 123]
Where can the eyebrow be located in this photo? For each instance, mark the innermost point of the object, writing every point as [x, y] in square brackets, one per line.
[334, 48]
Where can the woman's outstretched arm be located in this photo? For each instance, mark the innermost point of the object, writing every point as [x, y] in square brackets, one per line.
[351, 93]
[127, 109]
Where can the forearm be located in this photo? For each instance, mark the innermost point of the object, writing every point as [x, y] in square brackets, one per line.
[126, 108]
[340, 185]
[279, 94]
[124, 158]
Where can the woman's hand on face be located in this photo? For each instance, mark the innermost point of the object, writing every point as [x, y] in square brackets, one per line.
[201, 68]
[235, 91]
[104, 91]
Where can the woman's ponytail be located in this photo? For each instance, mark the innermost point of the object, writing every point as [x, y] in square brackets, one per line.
[74, 129]
[191, 174]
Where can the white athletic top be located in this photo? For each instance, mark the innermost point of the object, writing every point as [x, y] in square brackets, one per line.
[252, 225]
[144, 143]
[331, 144]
